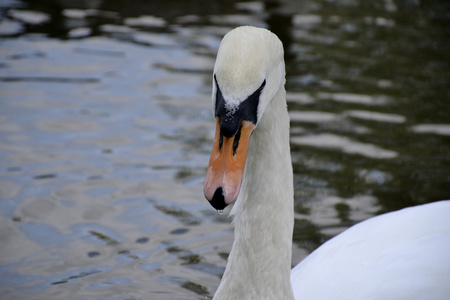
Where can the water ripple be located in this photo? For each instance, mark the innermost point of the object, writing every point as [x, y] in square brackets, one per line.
[344, 144]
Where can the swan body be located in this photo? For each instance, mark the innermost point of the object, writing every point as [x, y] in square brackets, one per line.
[399, 255]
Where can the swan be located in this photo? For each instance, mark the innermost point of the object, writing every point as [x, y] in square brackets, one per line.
[399, 255]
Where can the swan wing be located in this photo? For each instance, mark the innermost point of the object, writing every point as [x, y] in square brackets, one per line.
[399, 255]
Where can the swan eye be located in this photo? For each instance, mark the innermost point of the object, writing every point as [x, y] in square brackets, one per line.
[262, 86]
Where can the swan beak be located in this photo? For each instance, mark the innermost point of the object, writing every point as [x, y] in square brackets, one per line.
[226, 165]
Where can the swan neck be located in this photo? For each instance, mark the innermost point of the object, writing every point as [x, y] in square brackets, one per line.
[260, 261]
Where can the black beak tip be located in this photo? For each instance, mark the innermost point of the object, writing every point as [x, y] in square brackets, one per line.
[218, 200]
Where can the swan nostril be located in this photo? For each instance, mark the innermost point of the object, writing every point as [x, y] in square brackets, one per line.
[236, 140]
[218, 200]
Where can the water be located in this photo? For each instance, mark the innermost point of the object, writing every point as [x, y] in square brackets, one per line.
[106, 129]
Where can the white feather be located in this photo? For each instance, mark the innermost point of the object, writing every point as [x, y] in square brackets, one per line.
[399, 255]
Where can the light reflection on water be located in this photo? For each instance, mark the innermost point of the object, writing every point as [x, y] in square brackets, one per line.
[106, 129]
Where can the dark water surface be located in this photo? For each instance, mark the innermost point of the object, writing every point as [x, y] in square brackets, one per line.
[106, 129]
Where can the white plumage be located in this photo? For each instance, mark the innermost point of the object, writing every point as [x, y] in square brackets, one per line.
[400, 255]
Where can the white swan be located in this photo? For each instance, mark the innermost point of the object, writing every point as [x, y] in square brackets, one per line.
[401, 255]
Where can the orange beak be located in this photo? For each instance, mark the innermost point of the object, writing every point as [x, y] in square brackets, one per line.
[226, 165]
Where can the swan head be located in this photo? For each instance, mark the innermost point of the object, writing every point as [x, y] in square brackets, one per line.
[248, 72]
